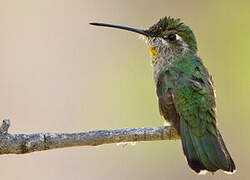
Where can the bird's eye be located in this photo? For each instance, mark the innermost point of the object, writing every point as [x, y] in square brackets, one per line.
[172, 37]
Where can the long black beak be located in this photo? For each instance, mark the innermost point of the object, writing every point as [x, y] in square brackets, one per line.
[139, 31]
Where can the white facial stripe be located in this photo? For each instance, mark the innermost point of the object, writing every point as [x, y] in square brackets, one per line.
[184, 44]
[178, 37]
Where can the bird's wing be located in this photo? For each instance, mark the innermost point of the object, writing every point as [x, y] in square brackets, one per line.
[194, 100]
[186, 90]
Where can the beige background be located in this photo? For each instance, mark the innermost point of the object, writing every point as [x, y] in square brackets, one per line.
[58, 74]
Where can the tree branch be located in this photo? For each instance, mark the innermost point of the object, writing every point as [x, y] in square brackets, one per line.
[27, 143]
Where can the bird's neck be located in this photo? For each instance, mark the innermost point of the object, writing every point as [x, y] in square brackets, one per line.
[162, 63]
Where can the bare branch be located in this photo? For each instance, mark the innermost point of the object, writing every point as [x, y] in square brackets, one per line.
[27, 143]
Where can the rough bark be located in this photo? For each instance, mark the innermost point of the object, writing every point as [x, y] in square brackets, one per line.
[27, 143]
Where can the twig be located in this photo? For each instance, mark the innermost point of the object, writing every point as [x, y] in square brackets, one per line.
[27, 143]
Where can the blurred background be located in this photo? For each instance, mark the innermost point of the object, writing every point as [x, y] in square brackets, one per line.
[59, 74]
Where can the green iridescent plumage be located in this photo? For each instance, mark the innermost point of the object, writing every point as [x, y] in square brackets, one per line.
[193, 98]
[186, 96]
[185, 93]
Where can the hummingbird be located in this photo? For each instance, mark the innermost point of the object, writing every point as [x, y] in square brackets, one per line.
[185, 92]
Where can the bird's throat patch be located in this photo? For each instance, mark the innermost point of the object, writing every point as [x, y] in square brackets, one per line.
[153, 53]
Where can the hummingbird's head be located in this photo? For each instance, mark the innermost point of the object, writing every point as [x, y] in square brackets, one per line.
[166, 39]
[170, 38]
